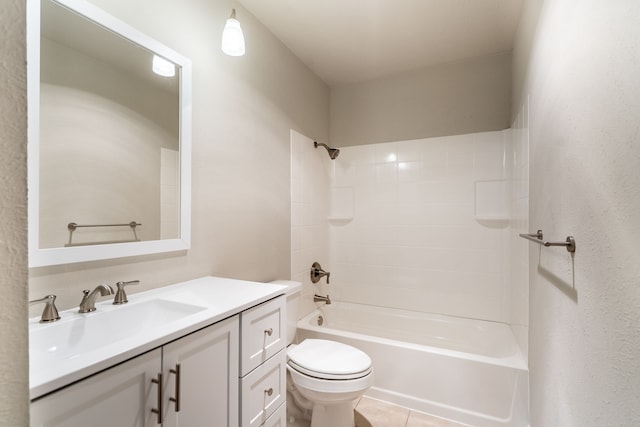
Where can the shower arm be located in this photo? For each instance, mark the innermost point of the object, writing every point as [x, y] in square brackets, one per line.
[333, 152]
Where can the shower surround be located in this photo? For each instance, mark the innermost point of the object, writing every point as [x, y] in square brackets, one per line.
[425, 225]
[429, 225]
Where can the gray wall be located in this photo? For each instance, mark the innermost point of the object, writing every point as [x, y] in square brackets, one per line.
[578, 64]
[450, 99]
[14, 398]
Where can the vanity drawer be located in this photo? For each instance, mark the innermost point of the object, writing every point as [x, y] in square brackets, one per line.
[264, 390]
[279, 418]
[262, 333]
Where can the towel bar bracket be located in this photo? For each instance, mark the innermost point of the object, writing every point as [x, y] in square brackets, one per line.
[538, 237]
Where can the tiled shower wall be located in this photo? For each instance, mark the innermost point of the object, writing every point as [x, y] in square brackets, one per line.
[310, 187]
[429, 225]
[517, 260]
[425, 225]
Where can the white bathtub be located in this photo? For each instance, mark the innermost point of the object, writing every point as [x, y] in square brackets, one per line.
[465, 370]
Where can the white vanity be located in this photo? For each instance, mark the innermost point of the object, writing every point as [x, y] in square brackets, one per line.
[210, 351]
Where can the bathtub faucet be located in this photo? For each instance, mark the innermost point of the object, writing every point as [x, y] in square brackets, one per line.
[320, 298]
[318, 273]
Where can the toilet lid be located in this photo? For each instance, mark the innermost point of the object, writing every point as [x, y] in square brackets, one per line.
[329, 360]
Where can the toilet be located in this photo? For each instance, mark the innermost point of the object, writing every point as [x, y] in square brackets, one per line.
[324, 376]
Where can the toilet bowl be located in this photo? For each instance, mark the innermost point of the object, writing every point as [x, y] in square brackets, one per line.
[330, 375]
[325, 376]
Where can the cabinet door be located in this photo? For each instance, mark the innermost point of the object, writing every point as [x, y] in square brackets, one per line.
[120, 396]
[202, 377]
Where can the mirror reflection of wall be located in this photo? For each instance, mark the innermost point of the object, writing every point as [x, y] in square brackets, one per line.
[105, 119]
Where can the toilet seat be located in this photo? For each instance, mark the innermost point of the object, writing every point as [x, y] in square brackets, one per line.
[329, 360]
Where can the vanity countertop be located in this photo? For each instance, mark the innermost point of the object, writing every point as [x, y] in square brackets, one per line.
[55, 362]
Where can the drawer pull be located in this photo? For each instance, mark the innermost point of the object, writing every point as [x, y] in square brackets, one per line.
[176, 399]
[158, 410]
[269, 331]
[269, 391]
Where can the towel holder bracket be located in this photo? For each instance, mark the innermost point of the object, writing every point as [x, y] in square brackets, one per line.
[538, 237]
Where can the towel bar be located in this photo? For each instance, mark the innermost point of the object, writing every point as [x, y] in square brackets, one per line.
[72, 226]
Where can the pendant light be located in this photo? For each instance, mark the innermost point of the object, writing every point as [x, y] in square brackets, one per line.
[232, 37]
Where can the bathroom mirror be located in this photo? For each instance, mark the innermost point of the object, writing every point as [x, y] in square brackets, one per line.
[109, 149]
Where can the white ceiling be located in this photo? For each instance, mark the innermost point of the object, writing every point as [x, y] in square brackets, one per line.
[347, 41]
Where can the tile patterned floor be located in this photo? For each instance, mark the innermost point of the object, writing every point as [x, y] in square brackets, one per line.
[376, 413]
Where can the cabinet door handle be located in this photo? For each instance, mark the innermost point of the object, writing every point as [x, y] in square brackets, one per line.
[269, 391]
[158, 410]
[176, 399]
[268, 331]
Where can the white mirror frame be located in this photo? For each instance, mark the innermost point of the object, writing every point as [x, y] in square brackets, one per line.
[39, 257]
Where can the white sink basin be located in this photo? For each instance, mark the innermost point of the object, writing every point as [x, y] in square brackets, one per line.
[87, 332]
[79, 345]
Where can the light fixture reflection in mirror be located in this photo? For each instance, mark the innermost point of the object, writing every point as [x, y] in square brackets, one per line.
[162, 67]
[109, 140]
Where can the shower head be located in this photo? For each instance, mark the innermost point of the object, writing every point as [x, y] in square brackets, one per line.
[333, 152]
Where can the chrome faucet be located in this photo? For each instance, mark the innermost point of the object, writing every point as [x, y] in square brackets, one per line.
[50, 312]
[318, 273]
[121, 295]
[320, 298]
[88, 302]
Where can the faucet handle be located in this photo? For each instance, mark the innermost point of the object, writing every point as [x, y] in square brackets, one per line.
[121, 295]
[317, 273]
[50, 312]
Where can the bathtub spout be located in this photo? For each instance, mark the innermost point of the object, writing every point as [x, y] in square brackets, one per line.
[320, 298]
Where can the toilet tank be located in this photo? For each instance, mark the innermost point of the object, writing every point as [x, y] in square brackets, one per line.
[294, 294]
